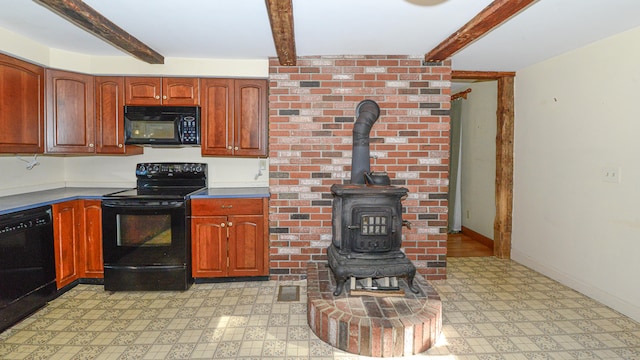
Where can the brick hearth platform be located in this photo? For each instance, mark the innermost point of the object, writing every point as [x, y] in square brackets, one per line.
[372, 325]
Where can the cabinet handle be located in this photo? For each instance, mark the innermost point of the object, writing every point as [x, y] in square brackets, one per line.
[91, 145]
[157, 97]
[119, 145]
[230, 224]
[235, 148]
[229, 147]
[223, 224]
[164, 97]
[227, 206]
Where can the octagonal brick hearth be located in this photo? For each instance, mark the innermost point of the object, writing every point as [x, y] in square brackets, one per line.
[373, 325]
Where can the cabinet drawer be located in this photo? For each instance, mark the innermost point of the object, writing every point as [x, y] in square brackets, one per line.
[200, 207]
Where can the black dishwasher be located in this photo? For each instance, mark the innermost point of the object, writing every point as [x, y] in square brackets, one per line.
[27, 266]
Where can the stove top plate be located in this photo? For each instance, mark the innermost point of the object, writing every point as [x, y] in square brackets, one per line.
[155, 193]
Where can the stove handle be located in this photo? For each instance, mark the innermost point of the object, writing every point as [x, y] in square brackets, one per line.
[406, 223]
[151, 205]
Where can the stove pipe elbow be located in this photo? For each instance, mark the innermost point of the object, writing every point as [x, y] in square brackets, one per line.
[367, 112]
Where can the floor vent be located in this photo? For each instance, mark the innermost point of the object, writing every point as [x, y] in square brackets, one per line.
[289, 293]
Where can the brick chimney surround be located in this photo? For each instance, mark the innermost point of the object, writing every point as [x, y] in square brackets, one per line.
[311, 117]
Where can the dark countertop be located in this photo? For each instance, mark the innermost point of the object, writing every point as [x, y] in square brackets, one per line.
[29, 200]
[13, 203]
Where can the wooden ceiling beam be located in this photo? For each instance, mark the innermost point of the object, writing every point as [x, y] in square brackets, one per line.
[95, 23]
[281, 19]
[480, 75]
[490, 17]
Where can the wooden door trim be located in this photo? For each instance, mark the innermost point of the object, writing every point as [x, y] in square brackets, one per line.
[504, 156]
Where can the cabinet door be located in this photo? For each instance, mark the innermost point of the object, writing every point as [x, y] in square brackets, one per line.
[70, 112]
[22, 104]
[110, 117]
[209, 246]
[217, 117]
[143, 90]
[246, 246]
[90, 258]
[250, 134]
[180, 91]
[66, 239]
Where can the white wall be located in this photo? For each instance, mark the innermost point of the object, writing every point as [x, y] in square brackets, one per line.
[15, 178]
[23, 48]
[478, 160]
[576, 115]
[117, 171]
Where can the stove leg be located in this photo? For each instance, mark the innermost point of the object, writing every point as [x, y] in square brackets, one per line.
[339, 286]
[410, 284]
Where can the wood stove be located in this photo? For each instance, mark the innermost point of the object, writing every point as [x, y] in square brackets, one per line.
[367, 216]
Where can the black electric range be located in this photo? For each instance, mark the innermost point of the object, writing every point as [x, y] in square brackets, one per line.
[146, 230]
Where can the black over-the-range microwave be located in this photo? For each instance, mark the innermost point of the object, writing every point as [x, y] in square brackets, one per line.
[162, 125]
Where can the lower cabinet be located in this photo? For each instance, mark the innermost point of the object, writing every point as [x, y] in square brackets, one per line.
[91, 262]
[66, 239]
[229, 237]
[77, 233]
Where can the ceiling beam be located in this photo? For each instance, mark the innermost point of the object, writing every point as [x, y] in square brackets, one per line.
[95, 23]
[281, 19]
[490, 17]
[480, 75]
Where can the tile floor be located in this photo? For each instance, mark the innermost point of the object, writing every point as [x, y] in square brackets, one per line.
[492, 309]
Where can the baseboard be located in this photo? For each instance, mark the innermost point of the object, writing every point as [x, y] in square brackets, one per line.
[478, 237]
[614, 302]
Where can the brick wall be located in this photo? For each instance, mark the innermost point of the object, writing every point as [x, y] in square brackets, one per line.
[311, 116]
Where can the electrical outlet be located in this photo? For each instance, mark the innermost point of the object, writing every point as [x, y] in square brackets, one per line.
[468, 214]
[611, 174]
[263, 164]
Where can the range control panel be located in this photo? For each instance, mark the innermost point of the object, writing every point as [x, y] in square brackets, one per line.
[175, 170]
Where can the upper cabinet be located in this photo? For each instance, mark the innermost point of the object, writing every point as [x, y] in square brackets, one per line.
[63, 112]
[109, 111]
[22, 106]
[162, 91]
[234, 117]
[70, 112]
[85, 114]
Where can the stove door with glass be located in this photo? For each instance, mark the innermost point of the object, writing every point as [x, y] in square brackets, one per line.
[145, 244]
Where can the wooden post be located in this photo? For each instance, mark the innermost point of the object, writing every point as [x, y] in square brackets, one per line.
[504, 169]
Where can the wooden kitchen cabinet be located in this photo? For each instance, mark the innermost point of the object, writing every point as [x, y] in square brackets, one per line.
[109, 109]
[70, 119]
[229, 237]
[22, 106]
[234, 117]
[85, 114]
[91, 264]
[66, 235]
[77, 234]
[162, 91]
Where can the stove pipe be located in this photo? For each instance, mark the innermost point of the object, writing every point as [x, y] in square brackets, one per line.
[367, 112]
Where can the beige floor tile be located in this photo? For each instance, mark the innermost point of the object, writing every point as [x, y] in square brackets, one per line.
[492, 309]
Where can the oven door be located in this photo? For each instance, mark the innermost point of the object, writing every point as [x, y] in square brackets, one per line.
[139, 232]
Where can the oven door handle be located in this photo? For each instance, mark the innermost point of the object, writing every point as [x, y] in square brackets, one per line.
[147, 205]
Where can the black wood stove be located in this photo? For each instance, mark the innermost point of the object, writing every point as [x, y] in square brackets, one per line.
[367, 216]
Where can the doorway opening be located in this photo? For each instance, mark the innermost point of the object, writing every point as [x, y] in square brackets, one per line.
[503, 155]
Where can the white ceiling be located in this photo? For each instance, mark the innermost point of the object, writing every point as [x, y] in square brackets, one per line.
[239, 29]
